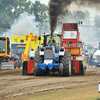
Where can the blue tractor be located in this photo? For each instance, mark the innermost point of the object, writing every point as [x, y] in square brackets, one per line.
[49, 58]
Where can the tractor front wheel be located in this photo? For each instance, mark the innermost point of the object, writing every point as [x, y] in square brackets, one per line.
[38, 60]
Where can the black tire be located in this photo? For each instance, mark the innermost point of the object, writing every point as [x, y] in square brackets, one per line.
[36, 72]
[82, 69]
[39, 59]
[66, 61]
[72, 70]
[18, 63]
[24, 70]
[61, 69]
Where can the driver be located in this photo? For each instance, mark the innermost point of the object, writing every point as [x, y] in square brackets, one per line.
[53, 42]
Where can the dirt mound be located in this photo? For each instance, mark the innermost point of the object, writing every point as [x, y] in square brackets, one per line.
[11, 72]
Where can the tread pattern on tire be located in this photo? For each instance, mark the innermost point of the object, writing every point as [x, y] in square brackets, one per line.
[39, 59]
[65, 61]
[61, 69]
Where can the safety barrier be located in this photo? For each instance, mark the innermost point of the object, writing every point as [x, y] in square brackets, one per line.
[7, 65]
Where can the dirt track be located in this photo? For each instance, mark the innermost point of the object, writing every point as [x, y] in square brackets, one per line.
[12, 83]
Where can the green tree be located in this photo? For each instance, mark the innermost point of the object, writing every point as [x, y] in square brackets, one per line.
[41, 16]
[40, 11]
[9, 11]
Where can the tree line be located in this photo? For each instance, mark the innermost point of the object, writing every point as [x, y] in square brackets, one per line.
[11, 9]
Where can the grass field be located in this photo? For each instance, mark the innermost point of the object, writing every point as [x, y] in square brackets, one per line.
[89, 92]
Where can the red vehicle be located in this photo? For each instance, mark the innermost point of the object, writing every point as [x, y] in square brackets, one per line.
[70, 38]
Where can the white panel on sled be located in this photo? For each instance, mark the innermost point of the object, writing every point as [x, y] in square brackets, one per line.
[47, 61]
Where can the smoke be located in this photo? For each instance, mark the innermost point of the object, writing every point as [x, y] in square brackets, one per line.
[58, 8]
[89, 3]
[22, 26]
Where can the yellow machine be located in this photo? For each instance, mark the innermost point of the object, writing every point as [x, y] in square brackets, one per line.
[34, 44]
[29, 38]
[18, 44]
[16, 40]
[4, 46]
[20, 49]
[5, 50]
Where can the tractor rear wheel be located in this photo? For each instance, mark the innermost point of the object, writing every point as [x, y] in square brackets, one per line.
[39, 59]
[66, 61]
[82, 69]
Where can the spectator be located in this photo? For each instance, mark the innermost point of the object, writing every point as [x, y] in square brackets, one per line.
[90, 59]
[5, 59]
[32, 54]
[13, 59]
